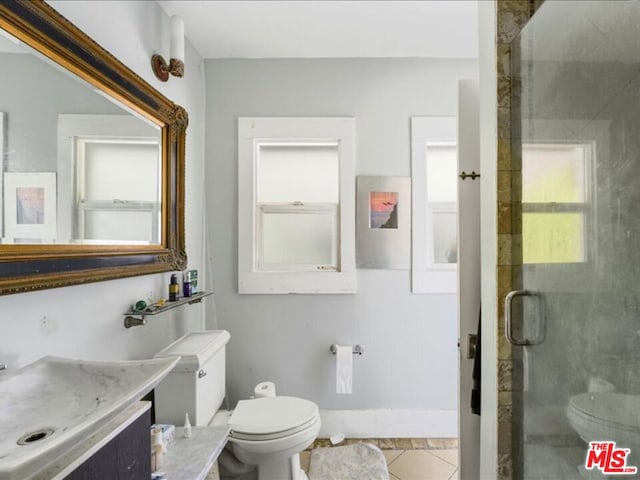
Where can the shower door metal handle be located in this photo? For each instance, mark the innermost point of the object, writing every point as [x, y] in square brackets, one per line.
[508, 323]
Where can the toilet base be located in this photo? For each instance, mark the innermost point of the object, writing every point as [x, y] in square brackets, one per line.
[284, 469]
[231, 468]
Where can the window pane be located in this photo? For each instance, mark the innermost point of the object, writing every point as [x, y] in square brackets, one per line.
[298, 238]
[113, 225]
[124, 171]
[442, 182]
[291, 173]
[445, 237]
[553, 237]
[553, 173]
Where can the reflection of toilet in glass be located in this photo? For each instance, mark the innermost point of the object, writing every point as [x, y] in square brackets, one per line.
[606, 417]
[267, 432]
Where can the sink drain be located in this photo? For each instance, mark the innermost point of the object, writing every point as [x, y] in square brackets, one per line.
[33, 437]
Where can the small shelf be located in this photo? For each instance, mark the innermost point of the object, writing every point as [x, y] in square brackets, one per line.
[137, 317]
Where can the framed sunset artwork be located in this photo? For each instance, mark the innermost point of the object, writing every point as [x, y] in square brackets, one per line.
[383, 222]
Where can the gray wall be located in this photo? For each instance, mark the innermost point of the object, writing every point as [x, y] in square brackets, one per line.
[410, 340]
[32, 94]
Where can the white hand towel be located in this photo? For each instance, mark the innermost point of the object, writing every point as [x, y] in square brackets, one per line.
[344, 369]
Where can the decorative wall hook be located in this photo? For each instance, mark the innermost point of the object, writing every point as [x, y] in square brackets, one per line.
[473, 175]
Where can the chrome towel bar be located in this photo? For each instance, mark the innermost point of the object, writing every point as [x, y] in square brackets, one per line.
[357, 350]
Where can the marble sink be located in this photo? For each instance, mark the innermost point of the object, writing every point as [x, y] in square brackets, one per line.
[51, 405]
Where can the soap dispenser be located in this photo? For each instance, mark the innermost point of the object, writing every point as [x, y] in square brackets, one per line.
[174, 288]
[186, 432]
[158, 449]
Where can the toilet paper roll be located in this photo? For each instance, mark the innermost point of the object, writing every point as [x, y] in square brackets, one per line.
[597, 384]
[265, 389]
[344, 369]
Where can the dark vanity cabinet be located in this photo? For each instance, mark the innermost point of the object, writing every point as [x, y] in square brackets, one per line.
[127, 456]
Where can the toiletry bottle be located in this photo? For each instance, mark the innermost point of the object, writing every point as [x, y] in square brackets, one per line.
[186, 283]
[174, 288]
[186, 432]
[158, 449]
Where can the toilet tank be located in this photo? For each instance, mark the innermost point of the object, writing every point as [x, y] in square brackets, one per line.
[196, 385]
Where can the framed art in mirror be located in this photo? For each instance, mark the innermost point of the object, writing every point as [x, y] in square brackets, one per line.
[30, 207]
[68, 214]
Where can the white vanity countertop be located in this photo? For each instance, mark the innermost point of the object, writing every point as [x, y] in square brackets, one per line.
[192, 458]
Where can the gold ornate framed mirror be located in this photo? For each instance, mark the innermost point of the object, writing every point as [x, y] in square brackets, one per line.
[91, 160]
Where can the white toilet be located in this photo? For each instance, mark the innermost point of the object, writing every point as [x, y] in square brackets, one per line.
[597, 416]
[268, 432]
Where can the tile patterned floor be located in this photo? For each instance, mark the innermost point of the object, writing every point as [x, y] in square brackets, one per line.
[408, 458]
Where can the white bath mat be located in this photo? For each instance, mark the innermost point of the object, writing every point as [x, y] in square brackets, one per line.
[360, 461]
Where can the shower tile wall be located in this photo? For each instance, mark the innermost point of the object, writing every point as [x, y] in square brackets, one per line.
[512, 15]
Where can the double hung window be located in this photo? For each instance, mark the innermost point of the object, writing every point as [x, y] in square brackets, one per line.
[296, 205]
[434, 183]
[555, 202]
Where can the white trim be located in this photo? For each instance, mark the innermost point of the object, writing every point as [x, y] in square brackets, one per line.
[389, 423]
[423, 278]
[255, 131]
[488, 84]
[469, 258]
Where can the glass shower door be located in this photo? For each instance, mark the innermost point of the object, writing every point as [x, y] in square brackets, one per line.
[574, 318]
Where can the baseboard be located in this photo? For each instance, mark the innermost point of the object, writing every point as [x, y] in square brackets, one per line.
[389, 423]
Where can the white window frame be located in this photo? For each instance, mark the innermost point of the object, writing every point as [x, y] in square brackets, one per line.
[427, 276]
[256, 131]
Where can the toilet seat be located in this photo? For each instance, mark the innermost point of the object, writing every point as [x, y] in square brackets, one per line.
[272, 436]
[606, 415]
[271, 418]
[615, 409]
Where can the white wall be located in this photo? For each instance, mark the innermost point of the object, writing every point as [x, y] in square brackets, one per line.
[86, 321]
[410, 340]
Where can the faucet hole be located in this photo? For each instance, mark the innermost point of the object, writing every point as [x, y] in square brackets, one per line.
[38, 435]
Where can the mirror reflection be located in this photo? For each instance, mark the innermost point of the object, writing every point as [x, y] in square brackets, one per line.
[75, 166]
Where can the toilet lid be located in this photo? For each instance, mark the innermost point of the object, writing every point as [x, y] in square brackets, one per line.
[267, 415]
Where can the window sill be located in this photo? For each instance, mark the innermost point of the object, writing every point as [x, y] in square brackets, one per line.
[297, 282]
